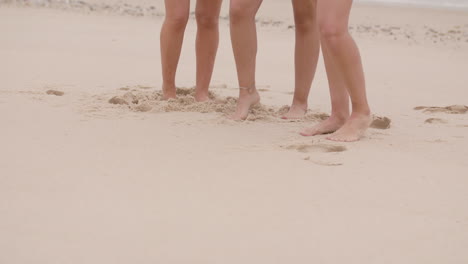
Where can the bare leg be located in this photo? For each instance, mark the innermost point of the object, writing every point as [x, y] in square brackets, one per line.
[244, 44]
[306, 54]
[207, 14]
[172, 36]
[343, 54]
[339, 100]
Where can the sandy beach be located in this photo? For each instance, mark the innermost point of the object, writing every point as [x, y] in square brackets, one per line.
[96, 168]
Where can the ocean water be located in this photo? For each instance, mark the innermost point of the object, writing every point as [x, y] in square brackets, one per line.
[451, 4]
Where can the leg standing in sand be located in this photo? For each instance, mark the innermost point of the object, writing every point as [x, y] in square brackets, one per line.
[244, 44]
[345, 74]
[306, 54]
[172, 35]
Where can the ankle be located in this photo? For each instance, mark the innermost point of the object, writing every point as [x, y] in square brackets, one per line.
[201, 90]
[168, 87]
[361, 113]
[339, 117]
[243, 92]
[299, 104]
[361, 109]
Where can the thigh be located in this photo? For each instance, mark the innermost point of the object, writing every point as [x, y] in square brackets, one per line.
[245, 6]
[304, 9]
[177, 9]
[334, 12]
[208, 7]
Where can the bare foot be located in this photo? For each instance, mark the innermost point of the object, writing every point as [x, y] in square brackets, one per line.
[297, 111]
[169, 93]
[328, 126]
[201, 96]
[247, 98]
[353, 129]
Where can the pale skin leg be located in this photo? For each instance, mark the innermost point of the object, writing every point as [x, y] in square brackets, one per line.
[344, 68]
[306, 54]
[244, 43]
[207, 15]
[172, 36]
[339, 101]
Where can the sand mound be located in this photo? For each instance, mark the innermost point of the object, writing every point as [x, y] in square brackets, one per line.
[55, 92]
[140, 99]
[381, 122]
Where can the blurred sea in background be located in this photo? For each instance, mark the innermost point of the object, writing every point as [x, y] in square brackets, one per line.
[452, 4]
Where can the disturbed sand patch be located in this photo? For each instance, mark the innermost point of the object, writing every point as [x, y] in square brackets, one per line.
[145, 99]
[452, 109]
[140, 99]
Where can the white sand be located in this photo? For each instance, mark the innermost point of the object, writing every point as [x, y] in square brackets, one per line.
[86, 181]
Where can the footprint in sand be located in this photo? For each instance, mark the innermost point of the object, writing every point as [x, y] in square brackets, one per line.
[323, 163]
[453, 109]
[435, 121]
[323, 148]
[55, 92]
[304, 148]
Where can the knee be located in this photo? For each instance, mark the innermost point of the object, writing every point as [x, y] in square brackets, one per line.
[206, 21]
[330, 31]
[305, 23]
[177, 21]
[241, 11]
[305, 20]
